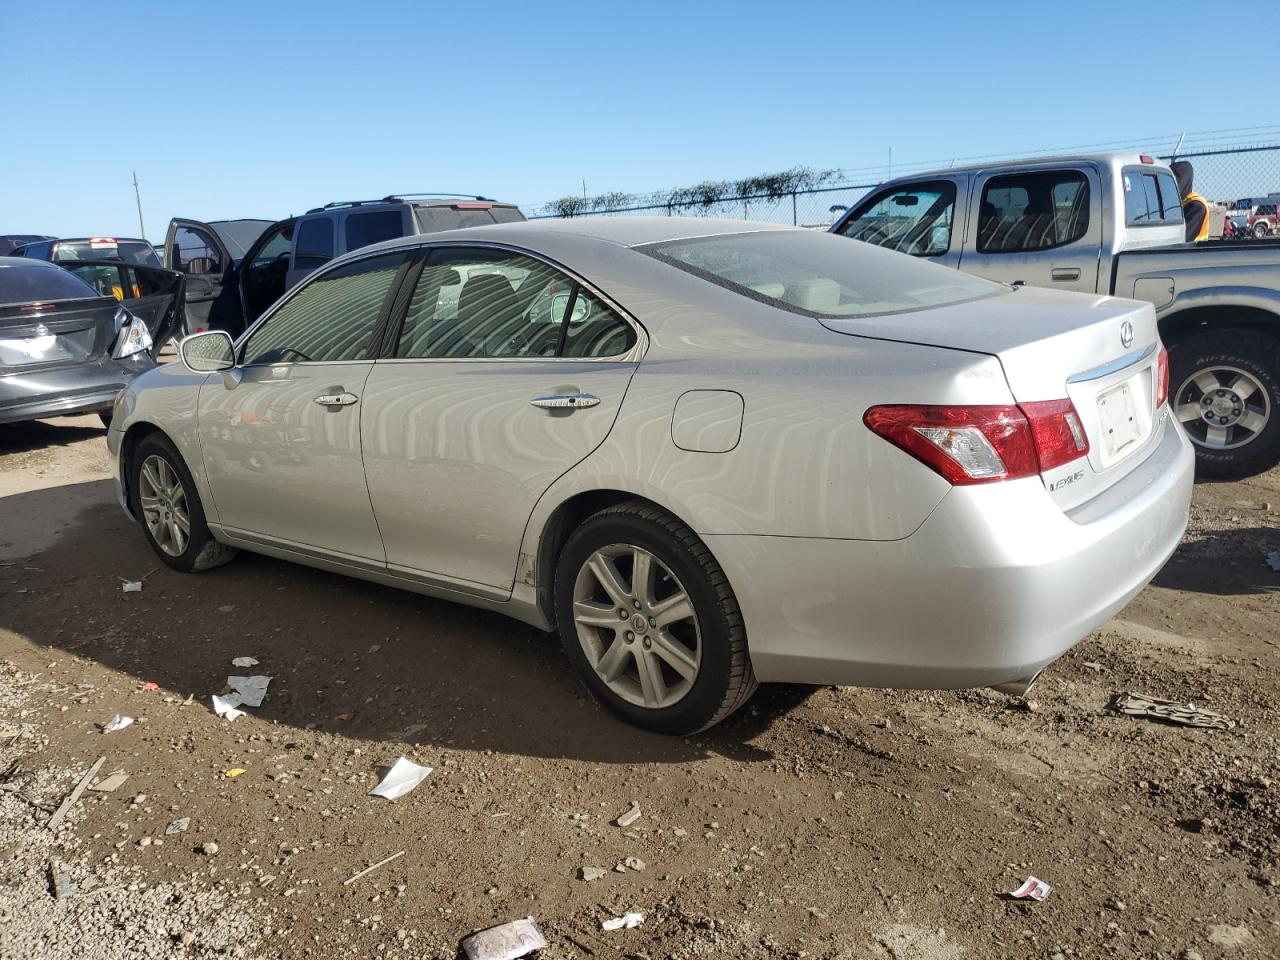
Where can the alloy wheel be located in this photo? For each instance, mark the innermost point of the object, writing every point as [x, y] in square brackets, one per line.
[637, 626]
[1222, 407]
[164, 505]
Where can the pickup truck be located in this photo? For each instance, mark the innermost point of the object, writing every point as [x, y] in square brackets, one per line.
[1112, 224]
[235, 269]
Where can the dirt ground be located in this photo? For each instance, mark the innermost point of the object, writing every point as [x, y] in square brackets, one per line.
[829, 823]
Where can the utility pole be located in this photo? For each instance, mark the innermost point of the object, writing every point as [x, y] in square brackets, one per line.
[142, 231]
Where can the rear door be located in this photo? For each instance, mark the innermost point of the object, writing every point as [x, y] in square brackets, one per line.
[1039, 227]
[925, 219]
[505, 374]
[195, 250]
[315, 243]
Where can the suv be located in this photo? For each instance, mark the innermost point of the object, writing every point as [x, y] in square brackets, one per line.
[232, 277]
[1264, 221]
[76, 249]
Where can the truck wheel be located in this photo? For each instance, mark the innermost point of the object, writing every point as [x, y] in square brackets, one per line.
[1261, 230]
[1225, 390]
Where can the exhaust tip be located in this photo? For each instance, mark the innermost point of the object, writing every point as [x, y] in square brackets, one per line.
[1016, 688]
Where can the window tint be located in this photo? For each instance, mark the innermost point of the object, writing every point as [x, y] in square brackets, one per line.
[104, 278]
[28, 283]
[1033, 211]
[1150, 198]
[915, 219]
[36, 251]
[366, 228]
[449, 217]
[196, 251]
[493, 303]
[1169, 198]
[332, 317]
[315, 244]
[820, 274]
[274, 249]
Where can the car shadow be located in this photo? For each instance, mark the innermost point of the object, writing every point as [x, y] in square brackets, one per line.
[402, 667]
[1227, 563]
[38, 434]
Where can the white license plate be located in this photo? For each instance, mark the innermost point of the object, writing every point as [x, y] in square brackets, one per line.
[1118, 417]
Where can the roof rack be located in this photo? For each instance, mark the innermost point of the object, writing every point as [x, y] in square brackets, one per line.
[397, 198]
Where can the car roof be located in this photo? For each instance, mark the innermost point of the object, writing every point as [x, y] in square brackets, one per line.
[623, 231]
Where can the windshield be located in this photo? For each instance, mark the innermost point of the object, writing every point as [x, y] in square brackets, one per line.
[105, 248]
[821, 274]
[239, 235]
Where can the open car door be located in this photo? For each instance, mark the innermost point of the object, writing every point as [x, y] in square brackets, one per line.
[195, 250]
[262, 272]
[152, 294]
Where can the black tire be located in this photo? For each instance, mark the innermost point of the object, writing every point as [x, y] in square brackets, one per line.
[202, 552]
[1223, 349]
[724, 679]
[1261, 231]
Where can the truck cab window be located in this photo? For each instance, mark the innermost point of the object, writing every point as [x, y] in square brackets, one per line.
[1033, 211]
[914, 219]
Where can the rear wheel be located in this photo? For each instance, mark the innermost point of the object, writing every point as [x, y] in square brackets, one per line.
[1226, 393]
[168, 508]
[649, 621]
[1261, 229]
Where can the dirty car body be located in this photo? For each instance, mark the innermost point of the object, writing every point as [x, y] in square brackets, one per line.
[708, 453]
[64, 348]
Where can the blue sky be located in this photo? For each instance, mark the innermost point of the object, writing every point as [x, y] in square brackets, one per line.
[230, 109]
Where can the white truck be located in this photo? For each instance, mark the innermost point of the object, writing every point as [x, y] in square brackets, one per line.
[1111, 224]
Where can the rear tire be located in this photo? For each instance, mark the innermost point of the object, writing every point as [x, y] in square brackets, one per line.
[1261, 231]
[1224, 387]
[164, 499]
[666, 651]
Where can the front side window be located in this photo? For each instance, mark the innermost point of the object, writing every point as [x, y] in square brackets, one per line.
[274, 250]
[196, 251]
[331, 318]
[1033, 211]
[915, 219]
[366, 228]
[475, 303]
[820, 274]
[315, 244]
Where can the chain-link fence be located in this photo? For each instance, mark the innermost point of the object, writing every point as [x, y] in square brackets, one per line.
[1242, 180]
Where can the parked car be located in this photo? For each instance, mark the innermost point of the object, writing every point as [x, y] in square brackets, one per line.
[1112, 224]
[237, 268]
[152, 294]
[64, 348]
[126, 250]
[1264, 221]
[11, 241]
[706, 452]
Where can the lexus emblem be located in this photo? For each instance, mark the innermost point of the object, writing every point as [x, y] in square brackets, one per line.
[1126, 334]
[41, 330]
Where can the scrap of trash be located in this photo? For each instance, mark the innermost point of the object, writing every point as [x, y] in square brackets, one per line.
[245, 692]
[508, 941]
[117, 723]
[1032, 888]
[403, 776]
[627, 921]
[1186, 714]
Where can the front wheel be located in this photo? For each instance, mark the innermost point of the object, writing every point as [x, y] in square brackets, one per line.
[167, 505]
[1225, 390]
[649, 621]
[1261, 230]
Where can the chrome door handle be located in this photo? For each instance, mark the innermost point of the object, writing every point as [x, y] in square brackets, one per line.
[336, 399]
[563, 401]
[1065, 273]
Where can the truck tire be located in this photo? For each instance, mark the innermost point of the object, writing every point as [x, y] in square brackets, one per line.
[1224, 388]
[1261, 230]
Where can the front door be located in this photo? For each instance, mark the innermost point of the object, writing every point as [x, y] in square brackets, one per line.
[1036, 227]
[282, 446]
[194, 250]
[506, 373]
[263, 270]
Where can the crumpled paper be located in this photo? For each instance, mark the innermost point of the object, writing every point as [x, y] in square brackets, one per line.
[403, 776]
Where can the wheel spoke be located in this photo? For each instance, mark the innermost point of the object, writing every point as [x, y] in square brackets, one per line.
[1215, 437]
[652, 687]
[152, 476]
[615, 660]
[176, 535]
[674, 608]
[1252, 420]
[1243, 386]
[1206, 380]
[1187, 412]
[676, 655]
[148, 502]
[592, 614]
[609, 578]
[641, 576]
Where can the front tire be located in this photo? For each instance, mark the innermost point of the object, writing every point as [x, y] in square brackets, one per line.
[649, 621]
[164, 499]
[1225, 390]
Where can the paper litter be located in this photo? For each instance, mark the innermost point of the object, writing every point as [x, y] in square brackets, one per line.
[244, 662]
[118, 722]
[509, 941]
[226, 706]
[1031, 889]
[251, 689]
[403, 776]
[627, 921]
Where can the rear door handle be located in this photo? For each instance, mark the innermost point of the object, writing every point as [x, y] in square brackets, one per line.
[1064, 274]
[336, 399]
[562, 401]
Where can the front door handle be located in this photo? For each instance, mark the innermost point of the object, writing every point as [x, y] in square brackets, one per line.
[565, 401]
[336, 399]
[1065, 274]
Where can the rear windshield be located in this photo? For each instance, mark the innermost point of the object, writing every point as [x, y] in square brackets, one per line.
[1150, 197]
[821, 274]
[130, 251]
[31, 282]
[432, 219]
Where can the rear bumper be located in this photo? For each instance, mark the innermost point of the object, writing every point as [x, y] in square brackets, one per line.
[84, 388]
[997, 583]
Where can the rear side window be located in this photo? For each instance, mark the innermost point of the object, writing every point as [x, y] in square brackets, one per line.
[366, 228]
[1033, 211]
[453, 217]
[29, 283]
[314, 246]
[1150, 197]
[914, 219]
[36, 251]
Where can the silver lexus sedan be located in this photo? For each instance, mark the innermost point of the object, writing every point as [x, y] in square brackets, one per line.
[707, 453]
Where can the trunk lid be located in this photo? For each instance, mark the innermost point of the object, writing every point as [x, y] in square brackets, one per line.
[44, 336]
[1101, 352]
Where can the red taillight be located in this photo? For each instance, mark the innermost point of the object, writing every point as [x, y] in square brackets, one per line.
[969, 445]
[1162, 378]
[1146, 159]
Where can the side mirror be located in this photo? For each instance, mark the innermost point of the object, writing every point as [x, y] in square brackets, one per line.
[208, 352]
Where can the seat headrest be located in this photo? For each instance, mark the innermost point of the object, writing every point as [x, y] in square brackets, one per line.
[819, 294]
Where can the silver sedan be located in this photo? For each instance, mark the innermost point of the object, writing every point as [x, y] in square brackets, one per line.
[707, 453]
